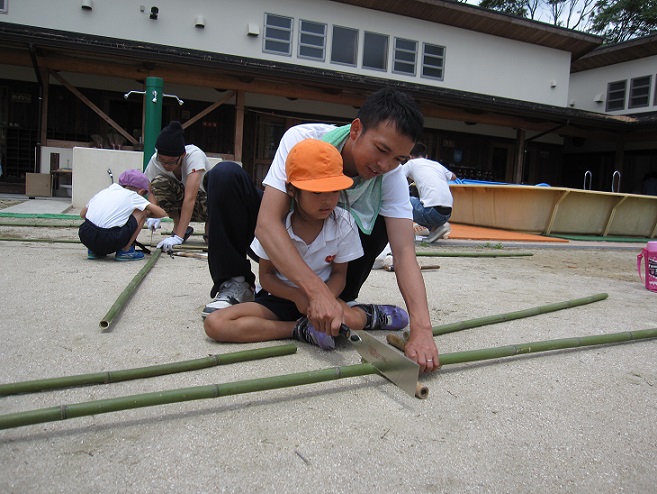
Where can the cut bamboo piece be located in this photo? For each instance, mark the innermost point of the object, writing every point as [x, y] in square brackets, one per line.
[510, 316]
[472, 254]
[122, 300]
[108, 377]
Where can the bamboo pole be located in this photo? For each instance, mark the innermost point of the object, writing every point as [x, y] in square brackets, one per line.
[40, 225]
[64, 412]
[472, 254]
[108, 377]
[533, 347]
[127, 292]
[510, 316]
[40, 240]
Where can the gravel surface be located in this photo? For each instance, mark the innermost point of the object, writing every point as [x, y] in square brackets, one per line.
[579, 421]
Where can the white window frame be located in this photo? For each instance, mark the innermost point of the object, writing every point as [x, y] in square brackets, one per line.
[355, 47]
[271, 29]
[614, 93]
[434, 58]
[312, 35]
[395, 60]
[4, 6]
[378, 36]
[635, 87]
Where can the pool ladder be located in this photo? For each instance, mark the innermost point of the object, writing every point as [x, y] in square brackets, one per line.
[588, 175]
[615, 180]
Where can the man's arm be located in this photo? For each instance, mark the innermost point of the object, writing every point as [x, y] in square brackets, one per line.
[421, 346]
[192, 186]
[324, 311]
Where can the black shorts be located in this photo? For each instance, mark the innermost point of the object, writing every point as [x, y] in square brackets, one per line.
[284, 309]
[103, 241]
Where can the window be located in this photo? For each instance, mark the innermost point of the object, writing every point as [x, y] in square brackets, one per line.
[344, 45]
[433, 61]
[312, 40]
[278, 34]
[616, 95]
[639, 92]
[375, 51]
[405, 56]
[3, 6]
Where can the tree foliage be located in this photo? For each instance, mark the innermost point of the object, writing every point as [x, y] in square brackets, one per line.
[620, 20]
[616, 20]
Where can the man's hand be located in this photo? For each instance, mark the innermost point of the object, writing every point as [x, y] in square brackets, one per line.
[421, 348]
[325, 313]
[167, 244]
[153, 223]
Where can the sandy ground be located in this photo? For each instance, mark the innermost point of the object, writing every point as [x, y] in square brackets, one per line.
[579, 421]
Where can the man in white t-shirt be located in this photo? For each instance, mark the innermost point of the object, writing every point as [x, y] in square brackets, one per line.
[176, 173]
[373, 146]
[434, 206]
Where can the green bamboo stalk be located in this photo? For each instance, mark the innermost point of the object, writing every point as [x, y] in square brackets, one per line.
[128, 291]
[108, 377]
[472, 254]
[40, 240]
[545, 346]
[44, 225]
[510, 316]
[64, 412]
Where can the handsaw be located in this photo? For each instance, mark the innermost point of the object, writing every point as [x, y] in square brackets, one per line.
[398, 369]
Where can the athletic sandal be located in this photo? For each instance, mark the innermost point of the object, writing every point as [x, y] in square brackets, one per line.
[304, 331]
[384, 316]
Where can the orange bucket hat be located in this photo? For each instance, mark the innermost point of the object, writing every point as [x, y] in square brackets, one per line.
[316, 166]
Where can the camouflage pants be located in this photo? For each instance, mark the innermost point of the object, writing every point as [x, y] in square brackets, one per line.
[170, 193]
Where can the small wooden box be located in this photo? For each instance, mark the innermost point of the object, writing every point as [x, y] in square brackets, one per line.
[38, 185]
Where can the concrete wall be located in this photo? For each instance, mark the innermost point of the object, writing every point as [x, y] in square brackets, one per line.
[586, 86]
[90, 170]
[474, 62]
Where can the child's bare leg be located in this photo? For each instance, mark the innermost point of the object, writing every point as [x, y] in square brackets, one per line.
[354, 317]
[245, 323]
[140, 216]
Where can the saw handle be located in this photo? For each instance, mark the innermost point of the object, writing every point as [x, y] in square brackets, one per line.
[346, 332]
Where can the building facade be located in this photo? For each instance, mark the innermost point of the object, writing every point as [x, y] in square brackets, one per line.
[497, 92]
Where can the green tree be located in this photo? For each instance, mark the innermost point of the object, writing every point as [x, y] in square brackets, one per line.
[620, 20]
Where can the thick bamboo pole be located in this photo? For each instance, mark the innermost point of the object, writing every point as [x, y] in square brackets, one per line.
[472, 254]
[510, 316]
[64, 412]
[40, 240]
[546, 346]
[309, 377]
[108, 377]
[128, 291]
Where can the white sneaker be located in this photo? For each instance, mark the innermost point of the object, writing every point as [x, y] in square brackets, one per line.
[231, 292]
[439, 232]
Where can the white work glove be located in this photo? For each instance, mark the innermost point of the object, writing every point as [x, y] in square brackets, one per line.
[167, 244]
[153, 223]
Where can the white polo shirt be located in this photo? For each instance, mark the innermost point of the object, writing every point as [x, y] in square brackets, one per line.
[195, 160]
[337, 242]
[113, 206]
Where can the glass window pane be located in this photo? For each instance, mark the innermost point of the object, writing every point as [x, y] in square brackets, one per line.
[375, 51]
[312, 40]
[639, 92]
[616, 95]
[344, 45]
[405, 56]
[433, 61]
[278, 34]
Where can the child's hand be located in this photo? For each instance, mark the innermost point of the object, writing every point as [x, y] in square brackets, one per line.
[153, 223]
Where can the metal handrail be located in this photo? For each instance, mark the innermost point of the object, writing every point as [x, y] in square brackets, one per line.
[590, 176]
[613, 177]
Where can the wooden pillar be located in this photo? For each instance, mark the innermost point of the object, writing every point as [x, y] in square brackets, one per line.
[239, 124]
[45, 78]
[520, 156]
